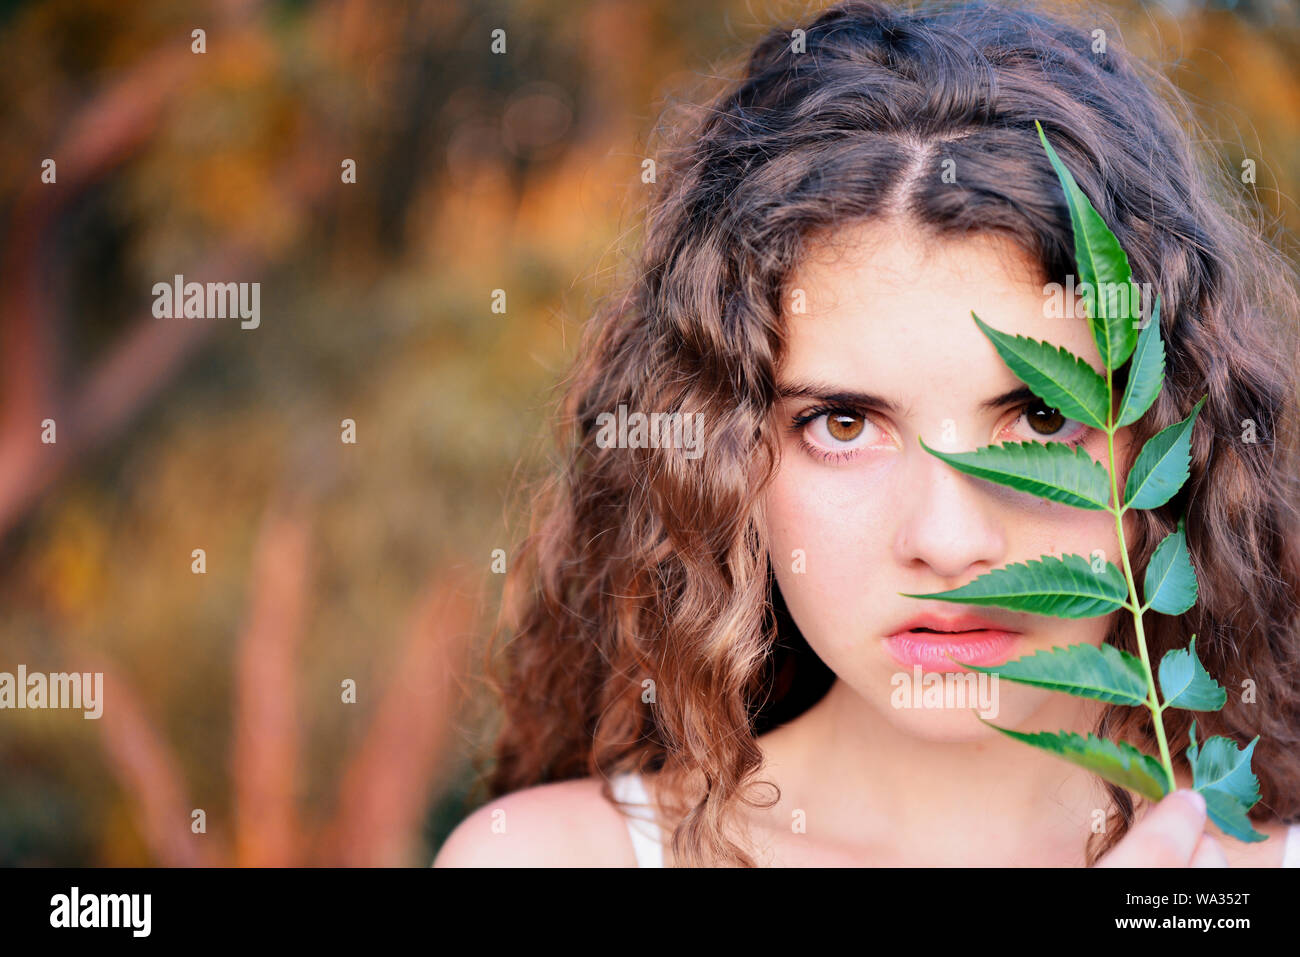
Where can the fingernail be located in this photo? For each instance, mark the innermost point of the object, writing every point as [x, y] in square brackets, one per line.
[1194, 798]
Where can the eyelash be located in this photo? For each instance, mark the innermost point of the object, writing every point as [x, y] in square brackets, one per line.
[798, 423]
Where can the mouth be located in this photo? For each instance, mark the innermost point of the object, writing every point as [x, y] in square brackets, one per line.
[928, 641]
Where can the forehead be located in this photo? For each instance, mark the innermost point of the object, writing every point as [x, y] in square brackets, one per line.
[887, 303]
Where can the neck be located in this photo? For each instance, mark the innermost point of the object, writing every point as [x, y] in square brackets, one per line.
[873, 785]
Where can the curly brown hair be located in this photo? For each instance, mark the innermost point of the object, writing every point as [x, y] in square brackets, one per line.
[647, 568]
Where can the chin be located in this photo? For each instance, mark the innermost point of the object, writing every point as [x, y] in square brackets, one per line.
[948, 706]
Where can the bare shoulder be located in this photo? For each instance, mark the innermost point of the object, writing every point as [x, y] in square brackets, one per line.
[560, 824]
[1259, 854]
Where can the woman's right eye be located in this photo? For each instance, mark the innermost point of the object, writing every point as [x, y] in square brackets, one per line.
[842, 426]
[834, 433]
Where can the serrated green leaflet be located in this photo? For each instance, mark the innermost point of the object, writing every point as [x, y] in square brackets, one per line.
[1050, 470]
[1221, 765]
[1186, 684]
[1103, 267]
[1058, 377]
[1170, 583]
[1116, 761]
[1221, 772]
[1162, 466]
[1102, 673]
[1146, 374]
[1231, 817]
[1062, 587]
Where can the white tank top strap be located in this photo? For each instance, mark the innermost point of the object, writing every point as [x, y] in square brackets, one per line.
[629, 789]
[1291, 854]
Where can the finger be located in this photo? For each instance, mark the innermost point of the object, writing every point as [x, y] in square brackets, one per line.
[1209, 853]
[1167, 837]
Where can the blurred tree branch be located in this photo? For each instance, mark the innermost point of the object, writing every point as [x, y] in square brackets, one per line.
[386, 786]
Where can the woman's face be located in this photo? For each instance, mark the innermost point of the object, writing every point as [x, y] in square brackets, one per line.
[859, 512]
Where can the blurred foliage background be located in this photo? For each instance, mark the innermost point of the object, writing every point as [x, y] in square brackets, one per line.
[328, 561]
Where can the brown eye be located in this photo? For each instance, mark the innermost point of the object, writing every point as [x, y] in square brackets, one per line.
[1043, 419]
[844, 427]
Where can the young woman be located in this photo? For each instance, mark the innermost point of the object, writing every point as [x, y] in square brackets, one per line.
[717, 634]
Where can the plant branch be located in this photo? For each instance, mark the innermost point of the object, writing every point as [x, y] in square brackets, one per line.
[1153, 700]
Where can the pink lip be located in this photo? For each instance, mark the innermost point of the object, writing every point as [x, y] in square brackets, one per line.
[983, 647]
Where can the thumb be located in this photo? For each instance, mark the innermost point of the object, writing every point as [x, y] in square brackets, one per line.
[1166, 837]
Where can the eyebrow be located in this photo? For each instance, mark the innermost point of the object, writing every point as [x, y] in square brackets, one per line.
[831, 394]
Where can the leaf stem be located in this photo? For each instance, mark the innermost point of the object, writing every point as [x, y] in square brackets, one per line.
[1153, 700]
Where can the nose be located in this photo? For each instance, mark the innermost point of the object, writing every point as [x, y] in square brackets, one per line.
[948, 521]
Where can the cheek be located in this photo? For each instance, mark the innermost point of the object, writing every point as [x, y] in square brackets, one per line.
[1060, 530]
[1064, 530]
[821, 510]
[825, 529]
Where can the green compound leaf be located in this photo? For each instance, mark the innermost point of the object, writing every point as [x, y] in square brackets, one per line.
[1221, 772]
[1147, 373]
[1162, 466]
[1103, 267]
[1061, 379]
[1170, 583]
[1186, 684]
[1068, 587]
[1061, 587]
[1103, 673]
[1116, 761]
[1051, 470]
